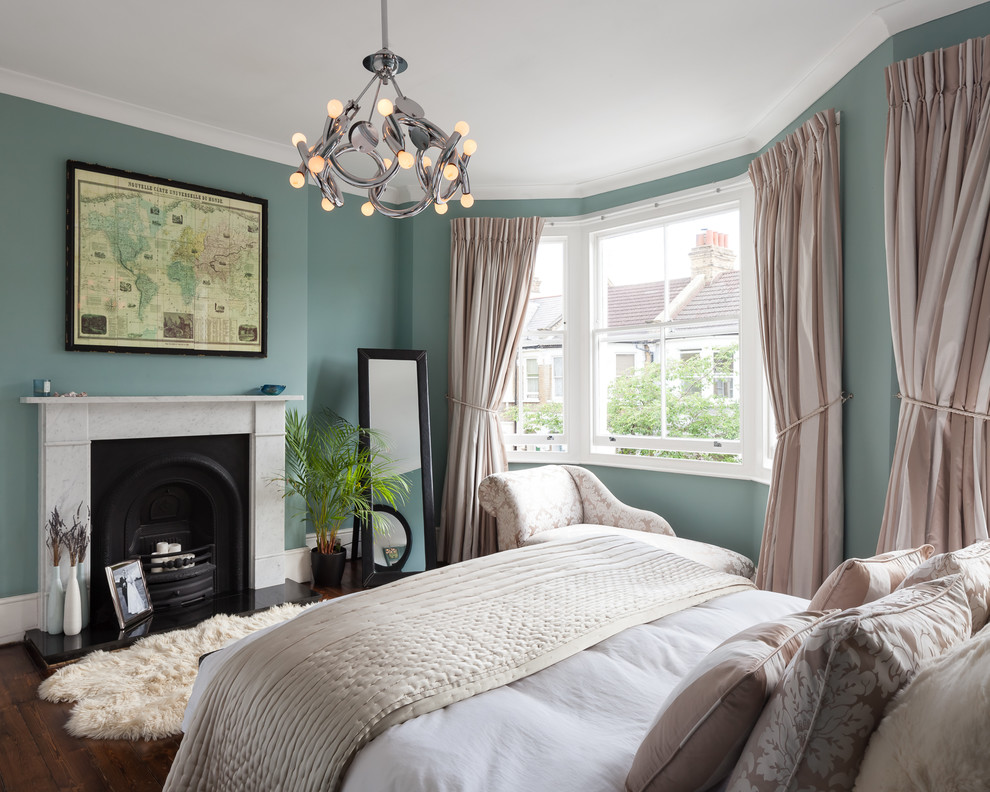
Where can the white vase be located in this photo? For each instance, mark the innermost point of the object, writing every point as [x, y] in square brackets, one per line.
[72, 617]
[83, 593]
[56, 597]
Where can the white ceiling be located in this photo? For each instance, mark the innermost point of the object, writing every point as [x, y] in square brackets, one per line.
[565, 97]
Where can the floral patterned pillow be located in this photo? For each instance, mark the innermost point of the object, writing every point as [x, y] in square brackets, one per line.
[857, 581]
[814, 730]
[973, 563]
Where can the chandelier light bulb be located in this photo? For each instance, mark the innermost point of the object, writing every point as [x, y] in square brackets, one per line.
[399, 140]
[316, 164]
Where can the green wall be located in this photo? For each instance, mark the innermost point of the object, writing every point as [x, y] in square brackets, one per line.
[341, 281]
[726, 511]
[35, 142]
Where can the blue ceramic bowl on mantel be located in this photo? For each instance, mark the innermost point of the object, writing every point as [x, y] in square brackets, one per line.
[272, 390]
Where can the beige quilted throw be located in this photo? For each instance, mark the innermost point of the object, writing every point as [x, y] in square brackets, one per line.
[290, 710]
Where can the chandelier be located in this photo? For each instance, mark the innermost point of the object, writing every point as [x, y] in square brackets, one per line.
[408, 137]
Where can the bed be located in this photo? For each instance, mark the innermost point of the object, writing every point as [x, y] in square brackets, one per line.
[576, 713]
[600, 625]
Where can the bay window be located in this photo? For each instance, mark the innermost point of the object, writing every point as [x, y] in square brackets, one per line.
[644, 343]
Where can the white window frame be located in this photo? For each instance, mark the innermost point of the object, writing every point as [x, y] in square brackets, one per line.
[552, 442]
[530, 395]
[556, 394]
[580, 357]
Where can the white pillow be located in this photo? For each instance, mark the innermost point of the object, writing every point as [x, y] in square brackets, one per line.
[934, 734]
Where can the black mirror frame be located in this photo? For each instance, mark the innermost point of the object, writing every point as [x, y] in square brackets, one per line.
[373, 574]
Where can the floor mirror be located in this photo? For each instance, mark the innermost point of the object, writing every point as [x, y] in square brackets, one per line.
[394, 401]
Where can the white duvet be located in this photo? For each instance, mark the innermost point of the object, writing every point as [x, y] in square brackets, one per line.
[574, 726]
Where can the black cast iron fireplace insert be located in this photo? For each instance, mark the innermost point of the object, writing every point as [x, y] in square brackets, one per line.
[188, 491]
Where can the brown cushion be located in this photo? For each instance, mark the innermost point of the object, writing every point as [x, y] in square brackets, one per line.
[705, 721]
[815, 728]
[857, 581]
[973, 563]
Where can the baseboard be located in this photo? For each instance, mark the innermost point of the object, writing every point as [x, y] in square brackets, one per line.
[17, 616]
[297, 566]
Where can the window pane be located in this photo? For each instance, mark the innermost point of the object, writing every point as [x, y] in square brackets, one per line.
[633, 276]
[668, 361]
[699, 385]
[548, 285]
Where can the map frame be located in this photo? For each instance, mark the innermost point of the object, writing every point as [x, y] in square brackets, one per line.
[179, 331]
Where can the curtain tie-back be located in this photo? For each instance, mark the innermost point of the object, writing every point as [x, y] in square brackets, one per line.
[472, 406]
[943, 408]
[840, 399]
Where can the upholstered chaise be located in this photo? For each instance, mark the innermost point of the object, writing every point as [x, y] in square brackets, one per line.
[527, 502]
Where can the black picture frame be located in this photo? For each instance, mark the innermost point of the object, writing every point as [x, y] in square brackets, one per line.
[174, 269]
[373, 574]
[129, 589]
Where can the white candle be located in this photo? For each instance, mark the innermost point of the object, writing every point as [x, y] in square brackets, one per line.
[174, 548]
[161, 547]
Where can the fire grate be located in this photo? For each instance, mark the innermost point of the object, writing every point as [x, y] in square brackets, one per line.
[181, 578]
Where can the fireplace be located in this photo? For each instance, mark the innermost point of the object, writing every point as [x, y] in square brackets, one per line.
[71, 431]
[186, 496]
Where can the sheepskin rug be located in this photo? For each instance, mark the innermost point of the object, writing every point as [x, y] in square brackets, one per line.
[933, 737]
[141, 692]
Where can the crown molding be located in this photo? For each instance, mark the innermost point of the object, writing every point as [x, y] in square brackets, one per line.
[36, 89]
[873, 31]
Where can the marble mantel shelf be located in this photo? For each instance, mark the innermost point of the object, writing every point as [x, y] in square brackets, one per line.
[137, 399]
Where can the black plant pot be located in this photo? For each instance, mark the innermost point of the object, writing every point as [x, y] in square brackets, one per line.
[328, 568]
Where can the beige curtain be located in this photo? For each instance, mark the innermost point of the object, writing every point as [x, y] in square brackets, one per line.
[799, 277]
[937, 193]
[491, 269]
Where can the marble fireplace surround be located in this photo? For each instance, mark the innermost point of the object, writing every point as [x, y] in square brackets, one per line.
[67, 426]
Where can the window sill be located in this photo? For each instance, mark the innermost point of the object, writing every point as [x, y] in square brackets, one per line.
[683, 467]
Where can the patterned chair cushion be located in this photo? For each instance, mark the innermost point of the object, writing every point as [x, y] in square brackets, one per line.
[814, 730]
[527, 502]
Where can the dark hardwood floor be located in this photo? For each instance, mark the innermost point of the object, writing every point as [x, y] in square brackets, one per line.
[38, 755]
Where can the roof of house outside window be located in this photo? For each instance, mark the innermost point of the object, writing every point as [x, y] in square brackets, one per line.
[644, 303]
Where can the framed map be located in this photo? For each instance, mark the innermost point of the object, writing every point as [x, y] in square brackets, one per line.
[162, 266]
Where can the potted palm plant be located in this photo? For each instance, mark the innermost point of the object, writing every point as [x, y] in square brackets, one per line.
[338, 470]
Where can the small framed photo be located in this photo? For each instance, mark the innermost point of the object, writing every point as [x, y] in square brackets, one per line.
[129, 591]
